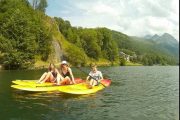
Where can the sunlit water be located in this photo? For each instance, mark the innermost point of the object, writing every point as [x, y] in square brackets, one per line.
[136, 93]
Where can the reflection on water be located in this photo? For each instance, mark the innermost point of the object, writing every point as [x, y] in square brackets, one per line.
[136, 93]
[18, 94]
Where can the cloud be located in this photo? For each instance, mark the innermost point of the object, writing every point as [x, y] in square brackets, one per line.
[132, 17]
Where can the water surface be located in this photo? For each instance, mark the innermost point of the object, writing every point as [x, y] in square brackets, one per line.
[136, 93]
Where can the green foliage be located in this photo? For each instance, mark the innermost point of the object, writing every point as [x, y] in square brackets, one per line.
[14, 60]
[108, 46]
[96, 43]
[90, 46]
[5, 44]
[122, 61]
[147, 52]
[75, 56]
[23, 33]
[40, 5]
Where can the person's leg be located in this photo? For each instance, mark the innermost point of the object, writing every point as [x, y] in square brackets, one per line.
[59, 79]
[93, 82]
[90, 84]
[42, 77]
[65, 81]
[51, 78]
[68, 80]
[47, 77]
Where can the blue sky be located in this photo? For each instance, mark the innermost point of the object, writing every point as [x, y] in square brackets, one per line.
[132, 17]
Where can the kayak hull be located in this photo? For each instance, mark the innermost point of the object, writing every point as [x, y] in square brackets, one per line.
[83, 89]
[31, 85]
[79, 89]
[35, 88]
[33, 82]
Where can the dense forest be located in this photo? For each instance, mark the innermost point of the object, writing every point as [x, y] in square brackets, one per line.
[106, 43]
[97, 43]
[27, 33]
[22, 34]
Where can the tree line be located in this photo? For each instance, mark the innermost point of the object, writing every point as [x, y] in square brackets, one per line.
[97, 43]
[147, 52]
[24, 35]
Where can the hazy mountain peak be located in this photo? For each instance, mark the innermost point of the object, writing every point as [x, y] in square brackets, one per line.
[148, 36]
[155, 37]
[166, 37]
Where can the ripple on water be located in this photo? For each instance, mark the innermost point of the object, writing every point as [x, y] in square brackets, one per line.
[136, 93]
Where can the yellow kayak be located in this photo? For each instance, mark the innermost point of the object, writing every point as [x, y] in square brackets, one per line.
[80, 88]
[34, 84]
[31, 83]
[83, 89]
[35, 88]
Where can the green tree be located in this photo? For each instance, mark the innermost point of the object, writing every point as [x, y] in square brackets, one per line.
[22, 35]
[42, 5]
[122, 61]
[75, 56]
[5, 44]
[108, 46]
[90, 45]
[35, 4]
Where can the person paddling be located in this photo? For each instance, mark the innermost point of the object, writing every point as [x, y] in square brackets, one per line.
[94, 76]
[49, 76]
[66, 73]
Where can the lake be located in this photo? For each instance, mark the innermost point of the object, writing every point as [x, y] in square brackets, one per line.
[136, 93]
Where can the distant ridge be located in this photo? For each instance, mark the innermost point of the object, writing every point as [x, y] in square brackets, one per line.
[165, 38]
[166, 42]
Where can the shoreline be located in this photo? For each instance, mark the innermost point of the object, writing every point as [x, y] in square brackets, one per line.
[44, 65]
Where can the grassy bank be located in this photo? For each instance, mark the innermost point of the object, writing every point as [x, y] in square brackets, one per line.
[39, 64]
[132, 64]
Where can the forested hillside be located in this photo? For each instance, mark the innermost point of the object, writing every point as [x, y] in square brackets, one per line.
[27, 35]
[22, 34]
[97, 43]
[147, 52]
[166, 42]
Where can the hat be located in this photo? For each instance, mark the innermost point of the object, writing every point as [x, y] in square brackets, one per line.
[64, 62]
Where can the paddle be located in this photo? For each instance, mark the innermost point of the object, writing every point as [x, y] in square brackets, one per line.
[90, 76]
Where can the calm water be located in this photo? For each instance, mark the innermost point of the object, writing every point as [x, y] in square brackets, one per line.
[136, 93]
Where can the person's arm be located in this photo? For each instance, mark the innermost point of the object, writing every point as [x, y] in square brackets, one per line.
[101, 76]
[71, 74]
[87, 78]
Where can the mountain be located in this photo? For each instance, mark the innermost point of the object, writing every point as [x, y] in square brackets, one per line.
[165, 38]
[36, 38]
[155, 37]
[147, 37]
[147, 50]
[165, 42]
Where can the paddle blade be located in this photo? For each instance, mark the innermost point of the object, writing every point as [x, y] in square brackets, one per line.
[106, 82]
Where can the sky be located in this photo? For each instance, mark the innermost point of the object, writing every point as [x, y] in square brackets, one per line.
[131, 17]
